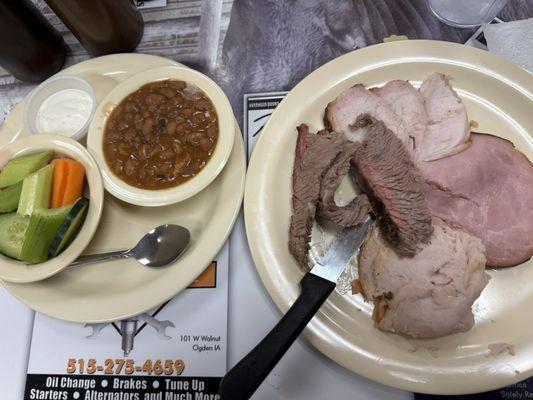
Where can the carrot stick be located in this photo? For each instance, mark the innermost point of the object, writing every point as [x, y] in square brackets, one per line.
[69, 176]
[60, 181]
[75, 180]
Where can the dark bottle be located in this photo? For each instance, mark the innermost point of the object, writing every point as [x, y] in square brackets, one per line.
[101, 26]
[30, 48]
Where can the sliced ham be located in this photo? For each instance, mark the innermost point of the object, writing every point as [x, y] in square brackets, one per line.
[406, 102]
[486, 190]
[341, 114]
[448, 131]
[427, 296]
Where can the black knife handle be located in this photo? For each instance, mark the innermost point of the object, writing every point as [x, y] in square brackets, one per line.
[245, 377]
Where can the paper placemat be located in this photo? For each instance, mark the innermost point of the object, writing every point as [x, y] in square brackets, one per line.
[176, 351]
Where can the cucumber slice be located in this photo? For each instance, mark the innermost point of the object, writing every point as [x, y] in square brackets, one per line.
[42, 229]
[70, 226]
[9, 198]
[12, 233]
[17, 169]
[36, 190]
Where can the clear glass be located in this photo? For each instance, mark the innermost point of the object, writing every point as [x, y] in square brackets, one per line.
[466, 13]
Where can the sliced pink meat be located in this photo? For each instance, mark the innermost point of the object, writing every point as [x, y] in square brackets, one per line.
[448, 131]
[429, 295]
[342, 112]
[486, 190]
[408, 104]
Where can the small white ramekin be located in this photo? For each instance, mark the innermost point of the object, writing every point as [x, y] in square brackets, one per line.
[48, 88]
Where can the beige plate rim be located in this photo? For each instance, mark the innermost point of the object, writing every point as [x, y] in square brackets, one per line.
[281, 280]
[220, 227]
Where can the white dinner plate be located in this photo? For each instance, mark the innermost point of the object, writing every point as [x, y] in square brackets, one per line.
[498, 96]
[119, 289]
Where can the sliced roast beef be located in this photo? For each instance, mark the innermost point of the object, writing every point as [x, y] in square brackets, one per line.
[486, 190]
[427, 296]
[448, 131]
[304, 139]
[386, 173]
[355, 211]
[408, 104]
[314, 155]
[343, 111]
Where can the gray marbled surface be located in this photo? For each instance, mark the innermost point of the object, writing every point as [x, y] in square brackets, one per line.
[268, 45]
[271, 45]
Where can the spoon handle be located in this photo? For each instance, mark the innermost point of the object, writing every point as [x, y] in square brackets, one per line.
[94, 258]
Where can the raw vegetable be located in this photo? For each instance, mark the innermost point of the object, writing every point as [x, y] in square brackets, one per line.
[42, 229]
[70, 226]
[9, 197]
[75, 179]
[17, 169]
[60, 181]
[12, 233]
[69, 176]
[36, 190]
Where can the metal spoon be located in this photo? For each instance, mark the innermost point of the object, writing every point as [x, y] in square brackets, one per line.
[157, 248]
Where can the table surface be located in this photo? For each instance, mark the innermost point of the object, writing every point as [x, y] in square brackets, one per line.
[253, 46]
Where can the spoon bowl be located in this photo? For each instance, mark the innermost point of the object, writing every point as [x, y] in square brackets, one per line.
[161, 245]
[158, 248]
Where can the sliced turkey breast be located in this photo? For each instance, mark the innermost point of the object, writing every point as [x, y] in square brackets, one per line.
[429, 295]
[349, 105]
[408, 104]
[448, 131]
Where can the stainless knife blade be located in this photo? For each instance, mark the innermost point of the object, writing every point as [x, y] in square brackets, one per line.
[341, 250]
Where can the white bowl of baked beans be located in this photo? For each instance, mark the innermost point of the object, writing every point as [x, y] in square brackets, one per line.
[162, 136]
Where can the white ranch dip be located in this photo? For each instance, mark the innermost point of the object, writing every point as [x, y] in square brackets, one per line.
[65, 112]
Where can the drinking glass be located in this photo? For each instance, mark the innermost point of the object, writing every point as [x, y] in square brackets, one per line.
[466, 13]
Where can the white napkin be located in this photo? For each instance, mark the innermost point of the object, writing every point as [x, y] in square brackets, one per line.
[512, 40]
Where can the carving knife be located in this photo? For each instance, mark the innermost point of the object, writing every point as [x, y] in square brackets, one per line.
[245, 377]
